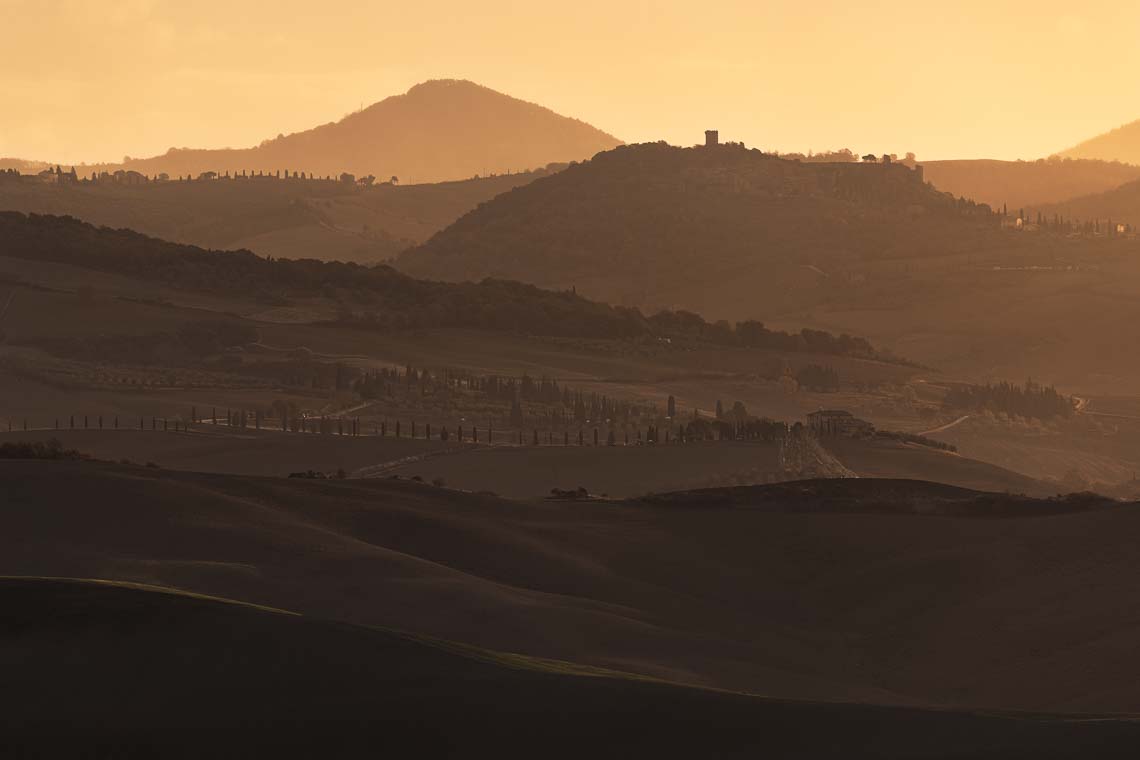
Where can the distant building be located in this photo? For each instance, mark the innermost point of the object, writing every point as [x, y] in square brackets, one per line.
[838, 422]
[712, 138]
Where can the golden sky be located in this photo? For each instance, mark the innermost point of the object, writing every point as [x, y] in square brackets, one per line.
[85, 80]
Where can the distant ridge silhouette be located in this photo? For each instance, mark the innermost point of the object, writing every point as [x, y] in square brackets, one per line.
[1120, 144]
[439, 130]
[1021, 184]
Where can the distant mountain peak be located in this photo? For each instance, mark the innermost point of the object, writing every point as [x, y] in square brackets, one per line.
[439, 130]
[441, 85]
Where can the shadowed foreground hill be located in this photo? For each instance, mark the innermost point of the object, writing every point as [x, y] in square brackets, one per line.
[438, 130]
[129, 671]
[1000, 609]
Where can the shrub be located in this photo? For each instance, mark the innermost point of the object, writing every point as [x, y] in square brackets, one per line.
[51, 449]
[921, 440]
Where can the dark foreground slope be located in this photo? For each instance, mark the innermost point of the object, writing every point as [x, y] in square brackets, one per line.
[1022, 605]
[112, 670]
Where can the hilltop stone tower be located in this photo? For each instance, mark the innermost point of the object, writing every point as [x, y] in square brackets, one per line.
[712, 138]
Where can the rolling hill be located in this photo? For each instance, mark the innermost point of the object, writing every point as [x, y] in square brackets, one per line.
[1120, 205]
[379, 296]
[655, 226]
[521, 472]
[438, 130]
[886, 592]
[529, 473]
[1018, 185]
[284, 218]
[390, 297]
[1120, 144]
[865, 248]
[151, 672]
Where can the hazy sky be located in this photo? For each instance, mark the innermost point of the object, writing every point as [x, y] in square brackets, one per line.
[97, 79]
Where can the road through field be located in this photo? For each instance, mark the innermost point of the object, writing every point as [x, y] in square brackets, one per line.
[947, 426]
